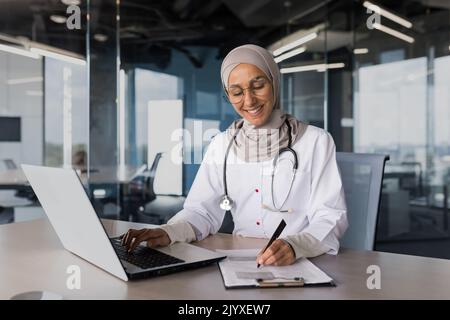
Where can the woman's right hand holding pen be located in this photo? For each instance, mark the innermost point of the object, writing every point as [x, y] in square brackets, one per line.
[279, 253]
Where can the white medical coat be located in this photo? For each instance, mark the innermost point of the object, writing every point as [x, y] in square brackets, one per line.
[316, 199]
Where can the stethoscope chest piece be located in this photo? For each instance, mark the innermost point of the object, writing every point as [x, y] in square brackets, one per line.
[226, 203]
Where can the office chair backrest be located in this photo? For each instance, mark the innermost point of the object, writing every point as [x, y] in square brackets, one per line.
[362, 178]
[141, 186]
[150, 181]
[9, 164]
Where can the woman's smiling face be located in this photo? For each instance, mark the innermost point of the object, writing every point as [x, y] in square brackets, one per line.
[251, 94]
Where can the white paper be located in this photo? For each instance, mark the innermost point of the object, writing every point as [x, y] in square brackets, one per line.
[251, 253]
[243, 262]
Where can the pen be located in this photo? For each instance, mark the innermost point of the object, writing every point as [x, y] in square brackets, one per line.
[275, 235]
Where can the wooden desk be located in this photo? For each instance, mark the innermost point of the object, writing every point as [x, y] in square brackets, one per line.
[32, 258]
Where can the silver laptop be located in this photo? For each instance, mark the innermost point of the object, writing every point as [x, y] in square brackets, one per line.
[78, 227]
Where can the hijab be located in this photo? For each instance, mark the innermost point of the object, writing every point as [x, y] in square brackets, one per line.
[260, 143]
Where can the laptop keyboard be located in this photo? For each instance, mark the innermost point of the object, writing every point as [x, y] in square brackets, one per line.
[143, 257]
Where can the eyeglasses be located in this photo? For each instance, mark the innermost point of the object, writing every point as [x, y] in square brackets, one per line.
[258, 87]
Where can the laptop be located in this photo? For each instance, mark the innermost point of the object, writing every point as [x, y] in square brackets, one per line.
[81, 232]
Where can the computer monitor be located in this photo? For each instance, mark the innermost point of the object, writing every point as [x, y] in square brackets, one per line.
[10, 129]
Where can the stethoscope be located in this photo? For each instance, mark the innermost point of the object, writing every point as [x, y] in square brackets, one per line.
[226, 203]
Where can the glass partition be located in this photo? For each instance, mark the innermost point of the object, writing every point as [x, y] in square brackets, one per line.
[43, 96]
[66, 114]
[400, 97]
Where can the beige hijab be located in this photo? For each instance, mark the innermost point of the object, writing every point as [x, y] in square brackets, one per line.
[254, 144]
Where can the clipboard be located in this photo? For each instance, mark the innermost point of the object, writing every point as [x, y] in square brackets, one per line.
[278, 283]
[239, 271]
[262, 283]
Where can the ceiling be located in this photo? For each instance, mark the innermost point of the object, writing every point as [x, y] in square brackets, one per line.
[153, 28]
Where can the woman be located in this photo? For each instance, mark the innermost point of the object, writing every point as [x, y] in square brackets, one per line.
[310, 199]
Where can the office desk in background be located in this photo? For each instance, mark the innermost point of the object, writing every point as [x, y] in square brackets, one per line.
[15, 179]
[34, 259]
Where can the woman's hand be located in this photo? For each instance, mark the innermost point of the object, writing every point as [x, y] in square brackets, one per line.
[280, 253]
[154, 237]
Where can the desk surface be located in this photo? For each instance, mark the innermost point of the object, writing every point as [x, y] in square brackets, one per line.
[32, 258]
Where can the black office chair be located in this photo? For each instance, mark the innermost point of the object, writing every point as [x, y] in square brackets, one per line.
[15, 197]
[145, 205]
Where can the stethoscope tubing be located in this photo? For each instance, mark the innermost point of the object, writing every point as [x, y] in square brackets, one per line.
[226, 197]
